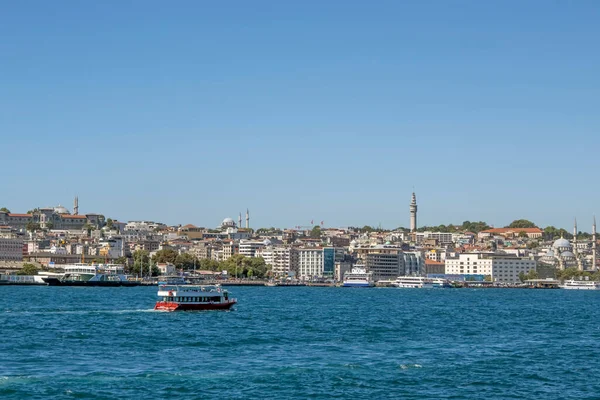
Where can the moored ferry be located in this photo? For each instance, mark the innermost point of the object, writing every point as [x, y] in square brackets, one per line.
[193, 298]
[91, 275]
[413, 282]
[358, 277]
[580, 285]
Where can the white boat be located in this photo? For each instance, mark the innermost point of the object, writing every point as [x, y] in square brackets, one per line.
[193, 298]
[419, 282]
[580, 285]
[440, 283]
[91, 275]
[358, 277]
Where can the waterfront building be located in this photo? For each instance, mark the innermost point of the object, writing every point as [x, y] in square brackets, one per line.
[282, 259]
[384, 261]
[503, 268]
[310, 263]
[414, 263]
[11, 249]
[166, 268]
[434, 267]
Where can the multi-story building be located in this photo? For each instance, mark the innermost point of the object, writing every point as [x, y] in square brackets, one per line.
[248, 247]
[310, 263]
[144, 226]
[282, 259]
[499, 267]
[384, 261]
[439, 237]
[11, 249]
[112, 247]
[414, 263]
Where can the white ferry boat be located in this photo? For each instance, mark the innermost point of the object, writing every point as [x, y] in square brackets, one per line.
[358, 277]
[580, 285]
[413, 282]
[91, 275]
[440, 283]
[193, 298]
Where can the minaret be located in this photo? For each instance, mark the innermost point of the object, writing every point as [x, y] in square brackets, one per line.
[413, 213]
[247, 219]
[575, 235]
[575, 250]
[240, 221]
[76, 206]
[594, 244]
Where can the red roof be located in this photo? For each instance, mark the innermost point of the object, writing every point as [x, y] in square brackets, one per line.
[433, 262]
[20, 215]
[73, 216]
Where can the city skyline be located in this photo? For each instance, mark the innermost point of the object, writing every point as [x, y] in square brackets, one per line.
[311, 111]
[245, 222]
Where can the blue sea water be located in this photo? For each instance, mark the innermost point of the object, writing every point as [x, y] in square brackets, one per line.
[299, 343]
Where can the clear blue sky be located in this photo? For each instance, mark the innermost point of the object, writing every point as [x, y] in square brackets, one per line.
[191, 111]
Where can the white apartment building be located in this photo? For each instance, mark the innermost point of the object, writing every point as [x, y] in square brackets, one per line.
[11, 249]
[113, 247]
[248, 247]
[282, 259]
[438, 255]
[501, 268]
[441, 237]
[143, 226]
[310, 263]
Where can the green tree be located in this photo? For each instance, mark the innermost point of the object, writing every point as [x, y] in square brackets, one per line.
[523, 235]
[366, 229]
[165, 256]
[50, 225]
[32, 226]
[315, 233]
[122, 261]
[141, 261]
[521, 223]
[4, 209]
[185, 261]
[109, 223]
[28, 269]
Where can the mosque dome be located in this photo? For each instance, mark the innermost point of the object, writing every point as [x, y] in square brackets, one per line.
[267, 242]
[561, 244]
[549, 253]
[61, 210]
[228, 222]
[567, 254]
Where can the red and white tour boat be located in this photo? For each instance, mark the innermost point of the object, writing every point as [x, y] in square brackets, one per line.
[193, 297]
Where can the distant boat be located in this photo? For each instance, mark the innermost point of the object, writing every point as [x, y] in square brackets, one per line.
[358, 277]
[417, 282]
[106, 275]
[580, 285]
[193, 298]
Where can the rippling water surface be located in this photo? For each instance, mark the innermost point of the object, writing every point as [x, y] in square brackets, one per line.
[300, 342]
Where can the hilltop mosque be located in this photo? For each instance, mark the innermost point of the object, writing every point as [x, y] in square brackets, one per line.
[563, 254]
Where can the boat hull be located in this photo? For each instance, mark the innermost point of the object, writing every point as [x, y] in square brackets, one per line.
[357, 284]
[58, 282]
[174, 306]
[579, 287]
